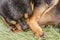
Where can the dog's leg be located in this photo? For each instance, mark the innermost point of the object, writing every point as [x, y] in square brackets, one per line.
[33, 24]
[35, 28]
[18, 28]
[32, 21]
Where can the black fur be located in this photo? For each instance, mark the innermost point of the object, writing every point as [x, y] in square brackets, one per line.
[15, 10]
[38, 2]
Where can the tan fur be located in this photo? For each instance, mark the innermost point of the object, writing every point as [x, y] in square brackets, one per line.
[41, 10]
[49, 16]
[13, 22]
[33, 23]
[55, 2]
[32, 6]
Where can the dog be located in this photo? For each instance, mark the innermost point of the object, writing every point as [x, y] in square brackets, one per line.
[45, 12]
[51, 15]
[14, 12]
[42, 10]
[34, 26]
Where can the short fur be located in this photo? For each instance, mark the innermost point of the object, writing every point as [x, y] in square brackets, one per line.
[46, 12]
[15, 10]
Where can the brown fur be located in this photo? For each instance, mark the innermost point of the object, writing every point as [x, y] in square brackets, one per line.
[48, 17]
[13, 22]
[55, 2]
[33, 23]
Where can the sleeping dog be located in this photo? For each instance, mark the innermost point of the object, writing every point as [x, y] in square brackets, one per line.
[15, 10]
[44, 12]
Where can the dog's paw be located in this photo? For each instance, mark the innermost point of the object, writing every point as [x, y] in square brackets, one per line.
[39, 34]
